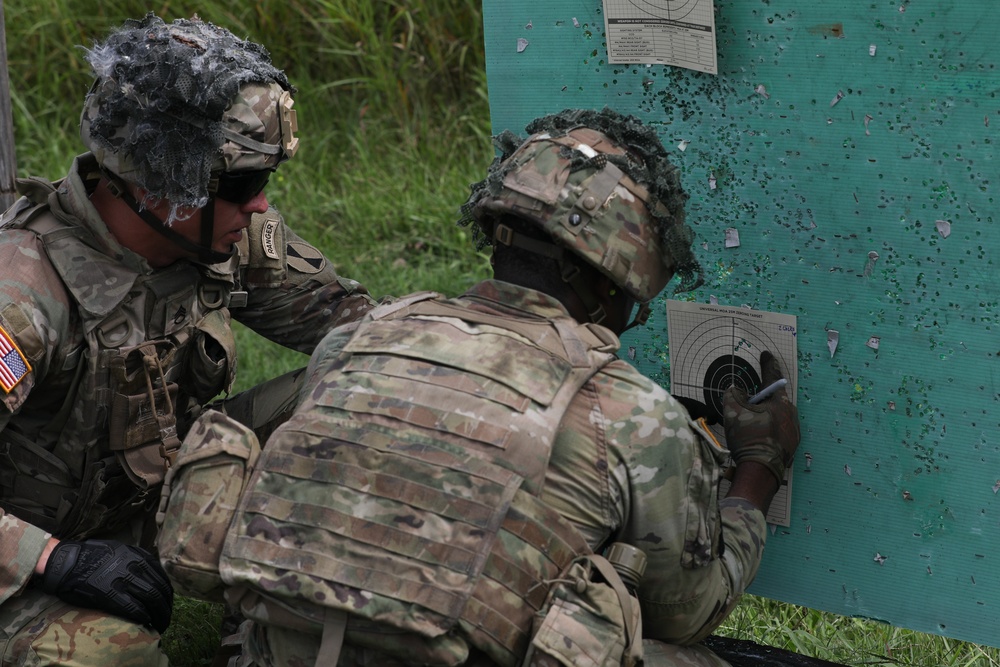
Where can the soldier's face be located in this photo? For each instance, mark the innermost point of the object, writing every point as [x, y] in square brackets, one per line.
[231, 219]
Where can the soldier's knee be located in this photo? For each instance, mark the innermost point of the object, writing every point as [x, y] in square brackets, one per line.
[66, 635]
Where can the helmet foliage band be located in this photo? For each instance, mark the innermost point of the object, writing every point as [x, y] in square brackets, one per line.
[601, 186]
[175, 104]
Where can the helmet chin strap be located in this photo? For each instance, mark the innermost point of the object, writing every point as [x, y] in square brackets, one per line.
[640, 318]
[569, 271]
[202, 251]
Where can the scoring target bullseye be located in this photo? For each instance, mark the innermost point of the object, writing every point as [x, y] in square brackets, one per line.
[725, 372]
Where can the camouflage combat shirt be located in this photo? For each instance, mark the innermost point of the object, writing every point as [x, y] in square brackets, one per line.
[277, 285]
[628, 465]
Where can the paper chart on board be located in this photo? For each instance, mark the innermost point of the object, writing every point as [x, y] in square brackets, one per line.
[662, 32]
[713, 347]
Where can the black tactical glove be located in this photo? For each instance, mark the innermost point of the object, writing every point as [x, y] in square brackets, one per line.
[113, 577]
[767, 432]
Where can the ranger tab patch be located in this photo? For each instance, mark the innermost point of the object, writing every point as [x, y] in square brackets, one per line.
[13, 365]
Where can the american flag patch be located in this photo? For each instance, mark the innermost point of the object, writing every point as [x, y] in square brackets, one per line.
[13, 365]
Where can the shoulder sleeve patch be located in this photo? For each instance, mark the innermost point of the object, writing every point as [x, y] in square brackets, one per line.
[264, 266]
[269, 238]
[13, 364]
[304, 258]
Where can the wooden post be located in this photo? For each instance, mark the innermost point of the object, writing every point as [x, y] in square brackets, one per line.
[8, 158]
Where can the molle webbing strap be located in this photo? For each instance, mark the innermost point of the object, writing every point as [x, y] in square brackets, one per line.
[421, 527]
[561, 345]
[534, 533]
[486, 572]
[363, 522]
[530, 533]
[55, 506]
[631, 616]
[394, 308]
[569, 270]
[585, 348]
[586, 337]
[334, 629]
[36, 498]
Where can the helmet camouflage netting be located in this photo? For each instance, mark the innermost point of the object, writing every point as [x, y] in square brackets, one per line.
[627, 220]
[173, 103]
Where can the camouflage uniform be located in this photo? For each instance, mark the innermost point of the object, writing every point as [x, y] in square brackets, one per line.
[626, 465]
[105, 363]
[444, 490]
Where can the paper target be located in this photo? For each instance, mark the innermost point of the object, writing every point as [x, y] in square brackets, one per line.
[715, 347]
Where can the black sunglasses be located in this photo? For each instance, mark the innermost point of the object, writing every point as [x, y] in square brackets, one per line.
[239, 187]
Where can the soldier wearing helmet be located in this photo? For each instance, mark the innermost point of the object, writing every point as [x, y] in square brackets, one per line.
[478, 480]
[118, 284]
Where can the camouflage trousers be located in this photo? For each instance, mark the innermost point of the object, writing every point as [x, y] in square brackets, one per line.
[38, 630]
[277, 647]
[266, 406]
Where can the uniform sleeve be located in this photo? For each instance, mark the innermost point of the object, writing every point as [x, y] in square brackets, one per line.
[34, 316]
[20, 547]
[294, 295]
[21, 543]
[661, 495]
[702, 552]
[31, 311]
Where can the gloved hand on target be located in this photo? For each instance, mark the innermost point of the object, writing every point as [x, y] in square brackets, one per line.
[766, 432]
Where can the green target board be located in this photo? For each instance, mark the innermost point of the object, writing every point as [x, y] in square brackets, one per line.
[840, 166]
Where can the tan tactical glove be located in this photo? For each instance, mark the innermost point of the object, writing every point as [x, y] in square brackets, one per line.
[768, 432]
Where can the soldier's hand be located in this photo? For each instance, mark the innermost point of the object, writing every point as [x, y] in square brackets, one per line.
[122, 580]
[768, 432]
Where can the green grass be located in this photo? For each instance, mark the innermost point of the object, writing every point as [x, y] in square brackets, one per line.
[193, 635]
[850, 641]
[394, 124]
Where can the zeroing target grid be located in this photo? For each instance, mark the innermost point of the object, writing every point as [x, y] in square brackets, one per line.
[715, 347]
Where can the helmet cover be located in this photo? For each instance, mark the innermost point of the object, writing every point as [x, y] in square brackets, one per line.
[600, 185]
[174, 103]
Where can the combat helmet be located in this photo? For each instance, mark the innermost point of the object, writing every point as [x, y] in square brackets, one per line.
[601, 187]
[187, 111]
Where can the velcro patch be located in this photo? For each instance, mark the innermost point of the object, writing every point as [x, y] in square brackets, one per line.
[304, 258]
[13, 364]
[268, 234]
